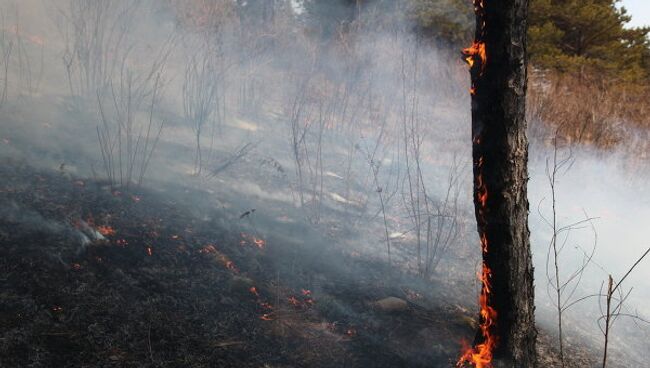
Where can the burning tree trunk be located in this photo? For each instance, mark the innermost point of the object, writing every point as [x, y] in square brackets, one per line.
[497, 62]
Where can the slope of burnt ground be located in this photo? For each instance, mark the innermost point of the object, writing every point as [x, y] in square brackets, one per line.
[96, 276]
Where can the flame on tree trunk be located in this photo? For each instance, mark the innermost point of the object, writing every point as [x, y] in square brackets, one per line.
[497, 61]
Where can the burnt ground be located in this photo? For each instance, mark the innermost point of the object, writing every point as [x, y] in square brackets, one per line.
[173, 282]
[164, 287]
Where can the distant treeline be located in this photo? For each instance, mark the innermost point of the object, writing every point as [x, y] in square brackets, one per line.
[576, 36]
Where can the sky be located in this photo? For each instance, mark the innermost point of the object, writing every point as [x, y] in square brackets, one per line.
[639, 10]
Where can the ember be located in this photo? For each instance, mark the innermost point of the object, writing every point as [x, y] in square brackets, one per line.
[208, 249]
[293, 301]
[253, 291]
[106, 230]
[253, 240]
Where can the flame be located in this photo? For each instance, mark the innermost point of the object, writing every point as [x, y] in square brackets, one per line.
[106, 230]
[266, 317]
[149, 251]
[295, 302]
[251, 239]
[208, 249]
[481, 355]
[476, 55]
[253, 291]
[231, 266]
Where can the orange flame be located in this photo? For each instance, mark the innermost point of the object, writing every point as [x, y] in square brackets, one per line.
[476, 54]
[208, 249]
[251, 239]
[481, 355]
[295, 302]
[253, 291]
[106, 230]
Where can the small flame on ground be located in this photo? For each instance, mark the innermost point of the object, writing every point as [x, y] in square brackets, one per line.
[253, 291]
[251, 239]
[149, 251]
[106, 230]
[208, 249]
[293, 301]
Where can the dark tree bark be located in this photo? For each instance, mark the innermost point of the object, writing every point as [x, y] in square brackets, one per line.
[500, 153]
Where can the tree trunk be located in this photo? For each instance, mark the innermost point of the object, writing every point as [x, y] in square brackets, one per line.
[500, 153]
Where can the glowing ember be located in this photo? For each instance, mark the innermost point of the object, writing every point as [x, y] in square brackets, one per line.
[149, 251]
[106, 230]
[231, 266]
[208, 249]
[253, 240]
[266, 317]
[253, 291]
[293, 301]
[305, 292]
[56, 308]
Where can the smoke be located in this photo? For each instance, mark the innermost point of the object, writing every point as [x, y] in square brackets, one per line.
[325, 129]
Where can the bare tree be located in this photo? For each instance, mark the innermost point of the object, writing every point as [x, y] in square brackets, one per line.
[614, 299]
[95, 33]
[200, 94]
[127, 143]
[7, 42]
[561, 289]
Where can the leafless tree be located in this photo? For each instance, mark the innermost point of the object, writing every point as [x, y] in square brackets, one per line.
[7, 42]
[200, 88]
[95, 33]
[127, 141]
[561, 289]
[614, 298]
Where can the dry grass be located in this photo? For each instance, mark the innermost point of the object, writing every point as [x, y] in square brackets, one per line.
[589, 110]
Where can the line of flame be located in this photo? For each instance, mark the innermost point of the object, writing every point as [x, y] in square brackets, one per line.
[480, 355]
